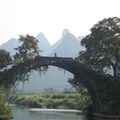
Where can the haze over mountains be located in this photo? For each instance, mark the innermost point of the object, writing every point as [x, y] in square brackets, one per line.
[10, 45]
[67, 46]
[43, 43]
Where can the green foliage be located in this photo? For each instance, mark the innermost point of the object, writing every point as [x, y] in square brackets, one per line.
[53, 100]
[28, 49]
[5, 111]
[77, 84]
[102, 47]
[102, 58]
[5, 58]
[23, 77]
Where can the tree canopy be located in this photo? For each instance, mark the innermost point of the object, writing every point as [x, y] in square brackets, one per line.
[5, 58]
[103, 47]
[28, 49]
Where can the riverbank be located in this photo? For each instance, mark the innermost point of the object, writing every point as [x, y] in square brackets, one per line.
[52, 100]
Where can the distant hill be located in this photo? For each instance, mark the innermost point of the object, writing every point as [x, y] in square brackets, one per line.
[43, 43]
[52, 79]
[67, 46]
[10, 45]
[54, 46]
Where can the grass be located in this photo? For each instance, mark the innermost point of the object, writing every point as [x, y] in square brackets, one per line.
[52, 100]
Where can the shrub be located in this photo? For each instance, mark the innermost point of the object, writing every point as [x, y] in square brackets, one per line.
[5, 111]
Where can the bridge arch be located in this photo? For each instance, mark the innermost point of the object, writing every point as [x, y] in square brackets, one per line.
[96, 84]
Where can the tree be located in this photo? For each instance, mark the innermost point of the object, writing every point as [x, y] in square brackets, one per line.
[5, 58]
[5, 111]
[102, 45]
[28, 49]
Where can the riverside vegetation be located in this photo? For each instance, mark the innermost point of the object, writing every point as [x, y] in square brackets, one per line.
[79, 101]
[5, 111]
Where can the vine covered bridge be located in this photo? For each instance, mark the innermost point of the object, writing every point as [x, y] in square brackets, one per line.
[103, 90]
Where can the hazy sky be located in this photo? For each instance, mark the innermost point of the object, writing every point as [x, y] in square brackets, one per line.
[52, 16]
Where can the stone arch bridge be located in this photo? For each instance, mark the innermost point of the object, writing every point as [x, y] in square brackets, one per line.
[102, 90]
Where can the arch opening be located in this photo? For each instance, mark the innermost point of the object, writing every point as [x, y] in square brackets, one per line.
[53, 79]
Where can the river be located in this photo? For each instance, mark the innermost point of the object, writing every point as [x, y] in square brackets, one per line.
[22, 113]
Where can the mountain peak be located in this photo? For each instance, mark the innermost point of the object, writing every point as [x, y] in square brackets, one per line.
[10, 45]
[65, 31]
[67, 46]
[43, 43]
[41, 36]
[12, 40]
